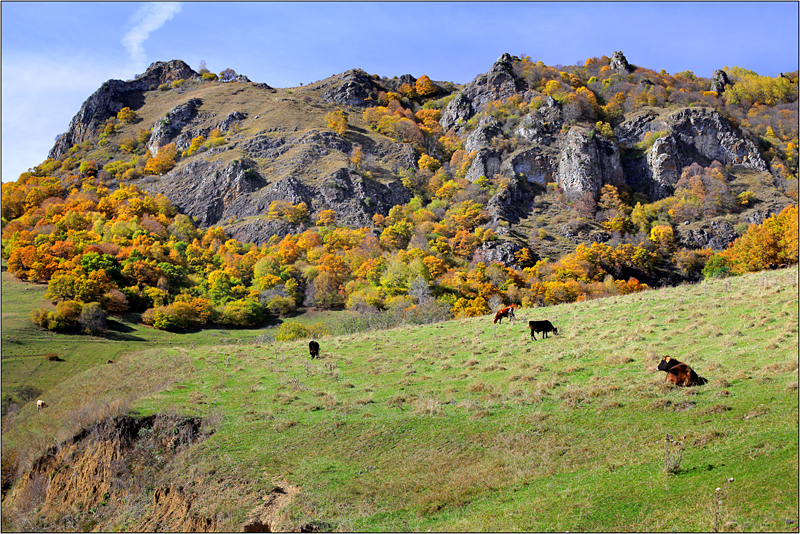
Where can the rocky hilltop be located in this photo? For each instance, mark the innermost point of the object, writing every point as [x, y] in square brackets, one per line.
[279, 146]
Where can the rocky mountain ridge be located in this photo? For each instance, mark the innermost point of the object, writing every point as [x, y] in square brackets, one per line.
[279, 147]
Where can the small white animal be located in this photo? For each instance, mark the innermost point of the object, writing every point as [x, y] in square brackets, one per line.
[40, 404]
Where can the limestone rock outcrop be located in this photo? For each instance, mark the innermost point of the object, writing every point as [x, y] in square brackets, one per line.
[169, 128]
[683, 137]
[498, 84]
[588, 163]
[114, 95]
[619, 63]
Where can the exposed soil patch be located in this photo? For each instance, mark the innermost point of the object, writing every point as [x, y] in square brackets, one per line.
[266, 516]
[104, 473]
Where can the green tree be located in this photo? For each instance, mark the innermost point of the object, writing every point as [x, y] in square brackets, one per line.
[93, 318]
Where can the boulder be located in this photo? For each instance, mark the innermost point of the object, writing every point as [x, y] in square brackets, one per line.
[352, 88]
[716, 235]
[699, 135]
[497, 251]
[708, 134]
[662, 167]
[231, 119]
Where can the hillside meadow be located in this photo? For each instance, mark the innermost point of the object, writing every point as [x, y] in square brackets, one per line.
[468, 426]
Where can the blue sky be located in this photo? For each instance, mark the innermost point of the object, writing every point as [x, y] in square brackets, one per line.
[56, 54]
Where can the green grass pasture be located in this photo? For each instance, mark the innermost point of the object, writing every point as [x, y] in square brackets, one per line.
[467, 426]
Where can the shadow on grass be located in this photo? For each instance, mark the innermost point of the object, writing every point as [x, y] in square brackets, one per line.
[117, 331]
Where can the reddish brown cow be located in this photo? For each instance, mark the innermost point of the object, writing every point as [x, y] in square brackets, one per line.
[508, 311]
[679, 373]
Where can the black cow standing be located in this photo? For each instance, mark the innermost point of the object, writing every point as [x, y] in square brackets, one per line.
[313, 349]
[541, 326]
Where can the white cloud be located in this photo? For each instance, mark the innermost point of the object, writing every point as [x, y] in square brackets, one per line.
[148, 19]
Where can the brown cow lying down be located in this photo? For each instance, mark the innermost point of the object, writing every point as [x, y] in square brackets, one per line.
[542, 326]
[679, 373]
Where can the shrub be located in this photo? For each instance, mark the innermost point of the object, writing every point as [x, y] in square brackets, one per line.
[745, 198]
[88, 167]
[197, 142]
[127, 144]
[717, 266]
[337, 121]
[239, 313]
[126, 115]
[70, 310]
[48, 320]
[281, 305]
[292, 331]
[649, 139]
[163, 162]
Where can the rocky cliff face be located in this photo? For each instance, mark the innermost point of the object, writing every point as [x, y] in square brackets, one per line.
[352, 88]
[499, 83]
[172, 126]
[279, 147]
[543, 125]
[215, 193]
[688, 135]
[113, 96]
[588, 163]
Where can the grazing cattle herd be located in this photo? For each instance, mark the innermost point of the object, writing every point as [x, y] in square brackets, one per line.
[678, 373]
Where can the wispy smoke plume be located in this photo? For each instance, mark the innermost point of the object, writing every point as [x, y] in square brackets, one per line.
[148, 19]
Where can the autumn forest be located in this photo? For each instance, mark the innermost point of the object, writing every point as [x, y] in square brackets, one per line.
[83, 225]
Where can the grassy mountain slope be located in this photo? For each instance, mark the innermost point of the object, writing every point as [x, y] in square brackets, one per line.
[467, 426]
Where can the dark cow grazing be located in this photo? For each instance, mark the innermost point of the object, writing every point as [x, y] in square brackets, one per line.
[679, 373]
[542, 326]
[508, 311]
[313, 349]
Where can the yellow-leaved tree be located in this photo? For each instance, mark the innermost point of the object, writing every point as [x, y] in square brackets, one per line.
[337, 121]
